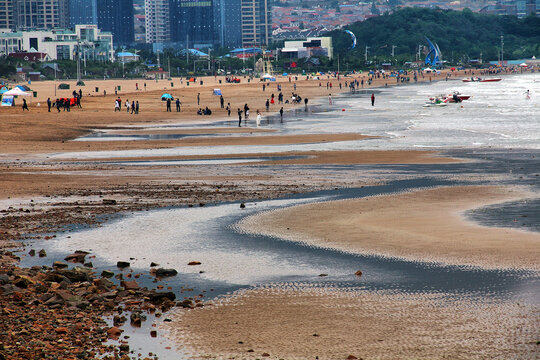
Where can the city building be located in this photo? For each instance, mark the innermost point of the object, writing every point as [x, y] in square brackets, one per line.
[157, 21]
[87, 40]
[228, 22]
[256, 23]
[33, 14]
[7, 18]
[82, 12]
[116, 16]
[192, 23]
[319, 46]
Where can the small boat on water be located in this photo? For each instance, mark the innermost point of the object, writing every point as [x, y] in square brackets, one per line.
[481, 80]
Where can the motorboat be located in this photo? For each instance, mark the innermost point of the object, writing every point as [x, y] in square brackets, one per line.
[477, 79]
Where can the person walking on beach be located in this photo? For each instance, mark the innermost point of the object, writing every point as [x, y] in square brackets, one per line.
[221, 100]
[116, 105]
[49, 103]
[259, 117]
[267, 105]
[128, 105]
[228, 109]
[169, 105]
[177, 105]
[198, 98]
[372, 99]
[281, 113]
[246, 112]
[24, 105]
[133, 106]
[329, 99]
[305, 103]
[239, 117]
[137, 107]
[58, 105]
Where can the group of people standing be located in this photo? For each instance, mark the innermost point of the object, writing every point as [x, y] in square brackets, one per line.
[132, 107]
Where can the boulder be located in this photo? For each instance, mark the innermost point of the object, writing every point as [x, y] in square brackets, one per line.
[122, 264]
[114, 332]
[358, 273]
[107, 274]
[77, 274]
[4, 279]
[165, 272]
[157, 297]
[42, 253]
[59, 265]
[109, 202]
[77, 257]
[130, 285]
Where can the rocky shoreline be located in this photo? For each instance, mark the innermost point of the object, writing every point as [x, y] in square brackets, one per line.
[60, 311]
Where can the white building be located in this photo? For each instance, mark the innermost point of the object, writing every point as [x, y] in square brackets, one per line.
[316, 46]
[158, 29]
[60, 44]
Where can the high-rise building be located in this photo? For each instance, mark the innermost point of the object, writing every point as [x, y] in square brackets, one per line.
[34, 14]
[7, 19]
[228, 22]
[82, 12]
[116, 16]
[256, 23]
[192, 23]
[157, 21]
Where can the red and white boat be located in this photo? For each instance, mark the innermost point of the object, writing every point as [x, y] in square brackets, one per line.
[481, 80]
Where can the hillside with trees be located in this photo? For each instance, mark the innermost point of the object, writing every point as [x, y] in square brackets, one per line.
[461, 35]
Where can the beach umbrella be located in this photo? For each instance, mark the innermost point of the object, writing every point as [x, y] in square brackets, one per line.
[453, 69]
[523, 65]
[285, 74]
[166, 96]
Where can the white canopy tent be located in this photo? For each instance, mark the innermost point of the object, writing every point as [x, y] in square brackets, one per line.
[16, 92]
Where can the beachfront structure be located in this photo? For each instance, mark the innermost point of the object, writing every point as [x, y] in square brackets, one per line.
[92, 43]
[116, 17]
[82, 12]
[157, 24]
[256, 23]
[316, 46]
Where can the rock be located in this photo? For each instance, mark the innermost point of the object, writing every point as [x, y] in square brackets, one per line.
[358, 273]
[153, 333]
[165, 272]
[109, 202]
[107, 274]
[265, 354]
[42, 253]
[122, 264]
[32, 252]
[242, 206]
[124, 347]
[77, 274]
[59, 265]
[4, 279]
[157, 297]
[61, 330]
[77, 257]
[352, 357]
[191, 263]
[119, 320]
[186, 304]
[89, 264]
[153, 264]
[323, 275]
[130, 285]
[22, 281]
[114, 332]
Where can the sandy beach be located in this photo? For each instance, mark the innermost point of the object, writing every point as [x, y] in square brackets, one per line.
[423, 225]
[302, 322]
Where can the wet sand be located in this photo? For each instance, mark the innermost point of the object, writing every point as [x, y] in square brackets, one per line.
[303, 322]
[424, 225]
